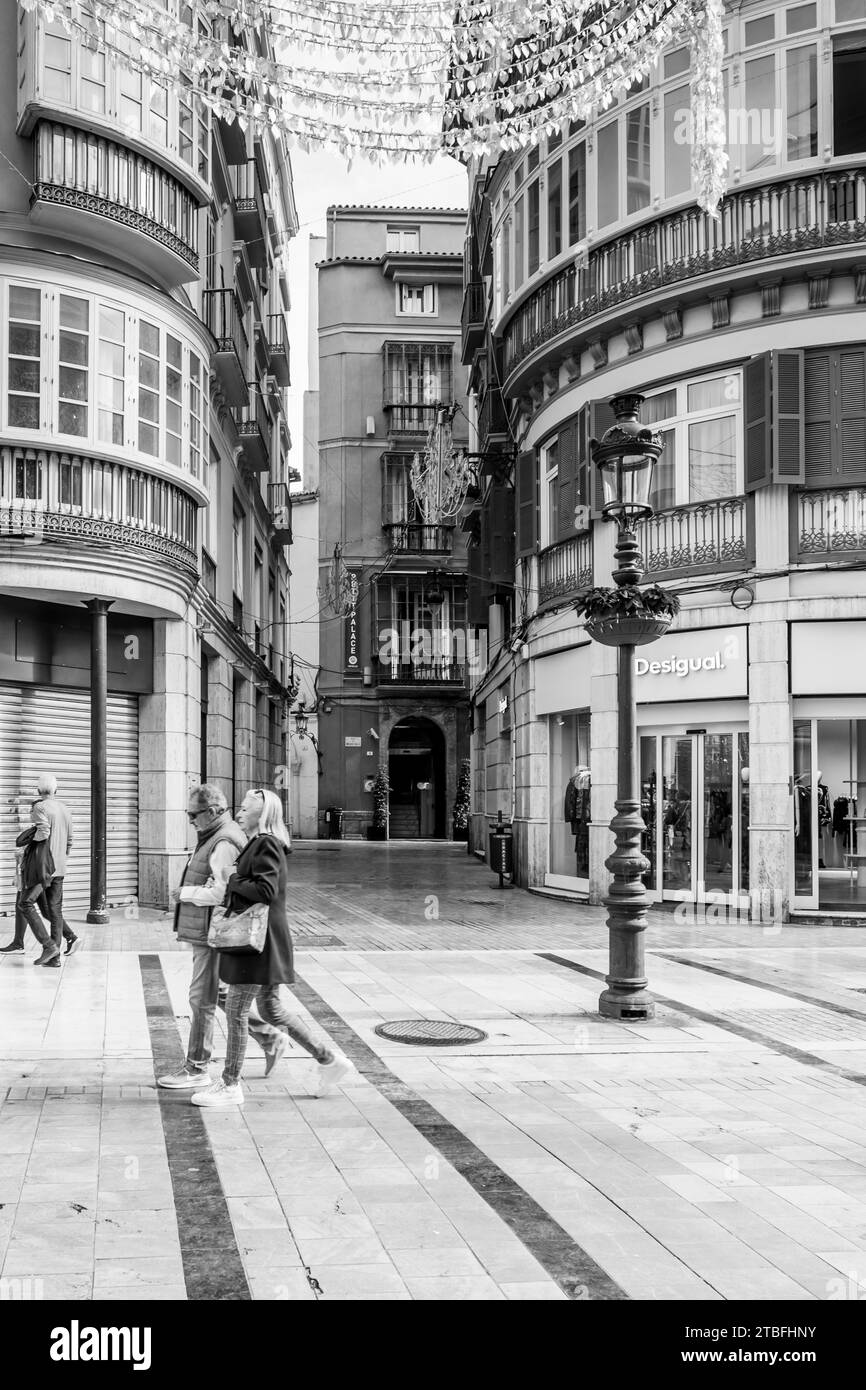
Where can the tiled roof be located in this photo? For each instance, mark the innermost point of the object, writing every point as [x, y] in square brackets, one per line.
[385, 207]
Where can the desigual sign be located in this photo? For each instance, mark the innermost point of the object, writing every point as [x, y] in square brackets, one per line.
[706, 664]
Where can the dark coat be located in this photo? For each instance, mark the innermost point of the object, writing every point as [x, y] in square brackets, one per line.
[261, 876]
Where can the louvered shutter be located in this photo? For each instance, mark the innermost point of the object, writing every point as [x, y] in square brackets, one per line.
[502, 536]
[566, 481]
[851, 434]
[527, 502]
[756, 377]
[599, 419]
[387, 492]
[788, 438]
[476, 585]
[818, 371]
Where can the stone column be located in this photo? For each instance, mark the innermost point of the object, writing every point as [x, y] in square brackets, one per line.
[98, 609]
[532, 789]
[220, 743]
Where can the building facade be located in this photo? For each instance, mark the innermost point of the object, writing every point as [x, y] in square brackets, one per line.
[144, 511]
[591, 272]
[394, 664]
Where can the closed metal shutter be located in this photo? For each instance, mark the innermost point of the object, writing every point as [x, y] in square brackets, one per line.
[48, 730]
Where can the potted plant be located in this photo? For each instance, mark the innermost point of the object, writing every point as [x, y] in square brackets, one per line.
[626, 614]
[381, 787]
[460, 814]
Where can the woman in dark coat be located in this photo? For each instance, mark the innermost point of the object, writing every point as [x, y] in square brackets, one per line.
[261, 876]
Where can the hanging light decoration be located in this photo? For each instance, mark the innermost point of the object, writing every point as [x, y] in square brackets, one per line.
[409, 80]
[441, 475]
[341, 586]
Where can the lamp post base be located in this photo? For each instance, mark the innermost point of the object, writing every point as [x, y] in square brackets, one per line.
[638, 1005]
[97, 917]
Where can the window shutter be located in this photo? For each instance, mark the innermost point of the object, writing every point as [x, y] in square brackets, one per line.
[756, 379]
[789, 452]
[501, 558]
[599, 419]
[387, 492]
[818, 413]
[851, 434]
[566, 486]
[527, 502]
[476, 585]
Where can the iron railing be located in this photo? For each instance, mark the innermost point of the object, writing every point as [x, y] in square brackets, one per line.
[702, 538]
[565, 569]
[411, 419]
[827, 523]
[222, 312]
[417, 673]
[419, 537]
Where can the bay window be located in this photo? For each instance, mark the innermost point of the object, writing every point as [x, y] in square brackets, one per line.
[577, 193]
[554, 209]
[73, 363]
[148, 388]
[849, 80]
[25, 357]
[533, 200]
[110, 379]
[607, 181]
[701, 426]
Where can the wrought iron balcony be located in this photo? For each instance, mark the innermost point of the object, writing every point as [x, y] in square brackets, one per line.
[280, 507]
[253, 424]
[409, 537]
[565, 569]
[828, 523]
[278, 349]
[74, 500]
[755, 224]
[411, 420]
[120, 200]
[703, 538]
[492, 417]
[248, 207]
[419, 673]
[472, 321]
[222, 313]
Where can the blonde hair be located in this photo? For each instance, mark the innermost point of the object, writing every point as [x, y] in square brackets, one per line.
[271, 819]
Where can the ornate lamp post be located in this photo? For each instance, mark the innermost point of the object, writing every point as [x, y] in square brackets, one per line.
[626, 617]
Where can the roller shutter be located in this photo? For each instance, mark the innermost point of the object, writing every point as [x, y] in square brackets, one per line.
[48, 730]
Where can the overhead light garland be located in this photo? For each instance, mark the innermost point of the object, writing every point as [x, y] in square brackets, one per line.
[441, 475]
[408, 80]
[341, 586]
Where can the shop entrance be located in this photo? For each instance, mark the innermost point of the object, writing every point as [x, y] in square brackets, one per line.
[695, 804]
[830, 813]
[416, 771]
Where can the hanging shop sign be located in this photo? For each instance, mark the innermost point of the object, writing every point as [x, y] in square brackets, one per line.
[352, 657]
[704, 664]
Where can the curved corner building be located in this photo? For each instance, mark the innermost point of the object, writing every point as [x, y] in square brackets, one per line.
[590, 271]
[143, 454]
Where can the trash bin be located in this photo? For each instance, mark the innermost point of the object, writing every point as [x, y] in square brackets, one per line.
[334, 822]
[502, 849]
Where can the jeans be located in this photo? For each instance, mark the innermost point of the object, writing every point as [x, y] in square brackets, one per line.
[51, 907]
[27, 915]
[205, 993]
[238, 1004]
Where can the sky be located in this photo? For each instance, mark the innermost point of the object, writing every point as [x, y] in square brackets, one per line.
[321, 180]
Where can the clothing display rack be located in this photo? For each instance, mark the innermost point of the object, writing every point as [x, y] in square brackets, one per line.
[853, 858]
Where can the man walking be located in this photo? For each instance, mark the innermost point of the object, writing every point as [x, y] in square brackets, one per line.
[202, 888]
[53, 821]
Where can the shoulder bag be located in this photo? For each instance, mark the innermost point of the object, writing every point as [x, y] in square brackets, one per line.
[239, 933]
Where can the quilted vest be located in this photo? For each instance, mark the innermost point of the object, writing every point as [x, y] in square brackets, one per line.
[190, 920]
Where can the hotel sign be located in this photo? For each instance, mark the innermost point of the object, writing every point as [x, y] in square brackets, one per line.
[352, 658]
[704, 664]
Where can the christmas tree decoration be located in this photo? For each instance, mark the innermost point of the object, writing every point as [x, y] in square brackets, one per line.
[470, 78]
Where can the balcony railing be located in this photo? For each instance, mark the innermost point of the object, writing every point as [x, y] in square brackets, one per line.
[249, 210]
[492, 417]
[827, 524]
[419, 537]
[69, 498]
[88, 173]
[472, 320]
[223, 315]
[565, 569]
[280, 507]
[416, 673]
[703, 538]
[253, 424]
[410, 419]
[754, 224]
[278, 349]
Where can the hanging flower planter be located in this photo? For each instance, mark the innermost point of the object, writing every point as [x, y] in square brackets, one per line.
[627, 615]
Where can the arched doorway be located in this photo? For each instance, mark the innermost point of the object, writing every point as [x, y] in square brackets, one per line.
[416, 770]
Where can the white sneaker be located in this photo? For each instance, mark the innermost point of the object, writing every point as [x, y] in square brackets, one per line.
[273, 1055]
[330, 1074]
[187, 1079]
[219, 1096]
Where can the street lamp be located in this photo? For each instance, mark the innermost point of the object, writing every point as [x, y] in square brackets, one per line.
[301, 721]
[625, 617]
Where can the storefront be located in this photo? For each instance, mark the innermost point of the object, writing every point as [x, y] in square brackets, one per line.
[562, 699]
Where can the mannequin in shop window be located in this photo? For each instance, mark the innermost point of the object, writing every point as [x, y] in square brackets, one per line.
[802, 817]
[825, 823]
[577, 813]
[719, 826]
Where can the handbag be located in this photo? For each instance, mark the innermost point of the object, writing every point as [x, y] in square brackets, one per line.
[239, 933]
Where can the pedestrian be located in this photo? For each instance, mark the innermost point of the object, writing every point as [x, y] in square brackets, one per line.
[34, 872]
[219, 842]
[261, 876]
[52, 820]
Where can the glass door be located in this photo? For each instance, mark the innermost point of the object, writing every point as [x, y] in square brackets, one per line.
[677, 859]
[805, 840]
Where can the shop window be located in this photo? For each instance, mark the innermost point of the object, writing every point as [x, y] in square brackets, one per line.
[73, 365]
[570, 794]
[849, 80]
[25, 357]
[148, 388]
[111, 374]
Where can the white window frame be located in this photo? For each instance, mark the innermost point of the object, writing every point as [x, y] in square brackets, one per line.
[679, 423]
[549, 476]
[406, 235]
[429, 300]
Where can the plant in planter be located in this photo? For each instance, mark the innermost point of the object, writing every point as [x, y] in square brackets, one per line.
[460, 814]
[381, 787]
[626, 614]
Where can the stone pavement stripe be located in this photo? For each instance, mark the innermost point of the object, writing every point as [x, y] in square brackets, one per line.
[796, 1054]
[771, 985]
[212, 1264]
[567, 1263]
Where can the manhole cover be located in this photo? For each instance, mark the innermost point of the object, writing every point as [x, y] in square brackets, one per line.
[430, 1032]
